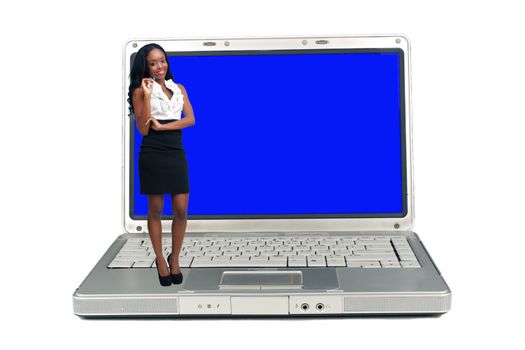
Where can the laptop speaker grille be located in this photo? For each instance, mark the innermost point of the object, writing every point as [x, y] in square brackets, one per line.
[396, 304]
[126, 306]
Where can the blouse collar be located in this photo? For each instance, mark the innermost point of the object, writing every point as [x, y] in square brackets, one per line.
[170, 85]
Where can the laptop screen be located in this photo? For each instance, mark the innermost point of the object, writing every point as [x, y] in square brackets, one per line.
[290, 134]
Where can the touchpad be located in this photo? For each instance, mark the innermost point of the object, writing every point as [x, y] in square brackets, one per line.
[261, 280]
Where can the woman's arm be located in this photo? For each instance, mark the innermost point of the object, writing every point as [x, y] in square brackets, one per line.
[141, 105]
[189, 118]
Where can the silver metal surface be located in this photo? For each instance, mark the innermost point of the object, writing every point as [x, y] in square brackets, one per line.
[136, 292]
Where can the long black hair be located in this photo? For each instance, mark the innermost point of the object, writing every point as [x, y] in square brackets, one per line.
[139, 71]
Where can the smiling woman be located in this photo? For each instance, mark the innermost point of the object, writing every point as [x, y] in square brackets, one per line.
[157, 103]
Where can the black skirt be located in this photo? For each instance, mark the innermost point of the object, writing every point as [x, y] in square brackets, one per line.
[163, 167]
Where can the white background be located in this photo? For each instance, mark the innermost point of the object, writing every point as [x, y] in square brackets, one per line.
[60, 147]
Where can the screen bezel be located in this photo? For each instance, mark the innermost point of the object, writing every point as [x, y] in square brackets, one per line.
[265, 46]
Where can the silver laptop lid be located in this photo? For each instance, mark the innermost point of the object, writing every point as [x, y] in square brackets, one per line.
[291, 134]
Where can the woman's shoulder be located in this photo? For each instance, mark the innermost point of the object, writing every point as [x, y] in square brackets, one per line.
[181, 87]
[138, 91]
[171, 83]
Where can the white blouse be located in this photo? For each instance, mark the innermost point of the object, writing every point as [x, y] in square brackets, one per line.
[163, 108]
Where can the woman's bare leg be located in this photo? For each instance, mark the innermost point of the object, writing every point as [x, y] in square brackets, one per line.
[178, 227]
[155, 206]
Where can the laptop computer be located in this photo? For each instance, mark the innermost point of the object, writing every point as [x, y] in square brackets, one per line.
[301, 200]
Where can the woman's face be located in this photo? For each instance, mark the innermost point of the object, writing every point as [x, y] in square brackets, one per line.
[156, 64]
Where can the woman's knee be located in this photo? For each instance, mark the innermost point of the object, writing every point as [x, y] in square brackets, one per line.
[155, 206]
[155, 213]
[180, 206]
[180, 214]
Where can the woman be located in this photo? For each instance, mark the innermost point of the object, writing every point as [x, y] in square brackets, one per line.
[157, 102]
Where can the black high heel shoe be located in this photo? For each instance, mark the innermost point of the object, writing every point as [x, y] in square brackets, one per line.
[164, 280]
[176, 278]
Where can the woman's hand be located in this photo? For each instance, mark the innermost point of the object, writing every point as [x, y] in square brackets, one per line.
[155, 125]
[147, 85]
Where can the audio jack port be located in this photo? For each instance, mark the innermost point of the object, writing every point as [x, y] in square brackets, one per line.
[319, 306]
[305, 306]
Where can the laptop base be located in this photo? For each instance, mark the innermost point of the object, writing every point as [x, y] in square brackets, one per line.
[313, 291]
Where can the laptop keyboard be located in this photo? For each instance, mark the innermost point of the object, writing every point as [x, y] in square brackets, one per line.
[296, 251]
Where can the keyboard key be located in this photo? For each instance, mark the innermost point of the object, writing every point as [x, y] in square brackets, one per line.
[378, 249]
[371, 265]
[377, 256]
[316, 261]
[185, 261]
[202, 261]
[335, 261]
[256, 263]
[369, 257]
[221, 259]
[278, 260]
[358, 264]
[407, 257]
[138, 253]
[124, 258]
[410, 264]
[115, 264]
[297, 262]
[390, 264]
[143, 263]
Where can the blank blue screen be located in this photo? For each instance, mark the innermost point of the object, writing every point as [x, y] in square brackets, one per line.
[291, 134]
